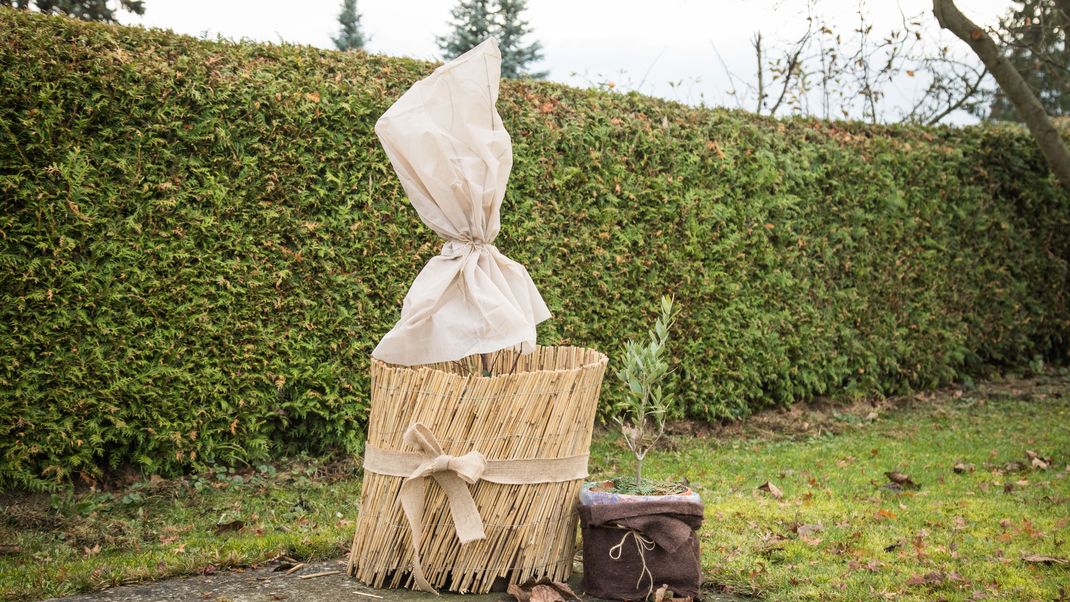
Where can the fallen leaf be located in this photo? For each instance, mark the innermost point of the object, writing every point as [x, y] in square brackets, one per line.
[660, 594]
[962, 467]
[772, 489]
[565, 589]
[518, 592]
[888, 514]
[1038, 463]
[807, 530]
[545, 593]
[931, 578]
[542, 591]
[870, 566]
[1046, 560]
[1013, 466]
[901, 479]
[8, 549]
[232, 526]
[91, 551]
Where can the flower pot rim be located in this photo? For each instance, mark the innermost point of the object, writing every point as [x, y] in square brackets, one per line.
[614, 497]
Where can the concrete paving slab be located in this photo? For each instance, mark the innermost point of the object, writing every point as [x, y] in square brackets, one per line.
[268, 584]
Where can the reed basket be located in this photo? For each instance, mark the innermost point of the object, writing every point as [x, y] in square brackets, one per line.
[540, 405]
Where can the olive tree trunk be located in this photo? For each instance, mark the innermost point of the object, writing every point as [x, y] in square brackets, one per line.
[1012, 84]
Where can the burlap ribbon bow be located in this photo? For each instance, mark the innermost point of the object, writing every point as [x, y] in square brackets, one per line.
[454, 474]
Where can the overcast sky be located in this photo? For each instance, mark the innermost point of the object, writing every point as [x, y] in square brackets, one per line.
[664, 48]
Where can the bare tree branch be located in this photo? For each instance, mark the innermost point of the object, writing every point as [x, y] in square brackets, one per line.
[971, 92]
[731, 78]
[1012, 84]
[793, 65]
[757, 44]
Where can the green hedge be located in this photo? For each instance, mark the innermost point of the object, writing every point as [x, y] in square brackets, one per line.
[201, 242]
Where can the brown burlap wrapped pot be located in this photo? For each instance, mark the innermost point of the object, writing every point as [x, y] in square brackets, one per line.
[540, 405]
[634, 544]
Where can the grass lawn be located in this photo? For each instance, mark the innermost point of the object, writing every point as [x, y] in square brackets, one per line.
[831, 528]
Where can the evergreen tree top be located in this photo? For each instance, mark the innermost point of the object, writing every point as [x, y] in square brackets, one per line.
[350, 35]
[476, 20]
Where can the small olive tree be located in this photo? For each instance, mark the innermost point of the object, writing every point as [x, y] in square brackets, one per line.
[642, 414]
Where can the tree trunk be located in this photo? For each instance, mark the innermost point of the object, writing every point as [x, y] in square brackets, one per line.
[1012, 84]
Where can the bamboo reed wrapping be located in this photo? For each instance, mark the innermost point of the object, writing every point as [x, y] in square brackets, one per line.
[540, 405]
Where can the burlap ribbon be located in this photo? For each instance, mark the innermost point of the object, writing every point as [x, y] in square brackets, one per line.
[453, 474]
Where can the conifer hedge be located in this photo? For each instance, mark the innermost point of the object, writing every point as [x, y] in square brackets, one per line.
[201, 242]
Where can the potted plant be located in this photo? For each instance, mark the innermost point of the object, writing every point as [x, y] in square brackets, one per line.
[639, 534]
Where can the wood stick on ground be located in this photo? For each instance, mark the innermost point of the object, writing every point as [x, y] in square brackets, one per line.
[319, 574]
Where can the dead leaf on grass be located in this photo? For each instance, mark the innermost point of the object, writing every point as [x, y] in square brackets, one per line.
[807, 530]
[1033, 456]
[932, 578]
[228, 527]
[962, 467]
[901, 479]
[8, 549]
[1045, 560]
[1013, 466]
[872, 566]
[772, 489]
